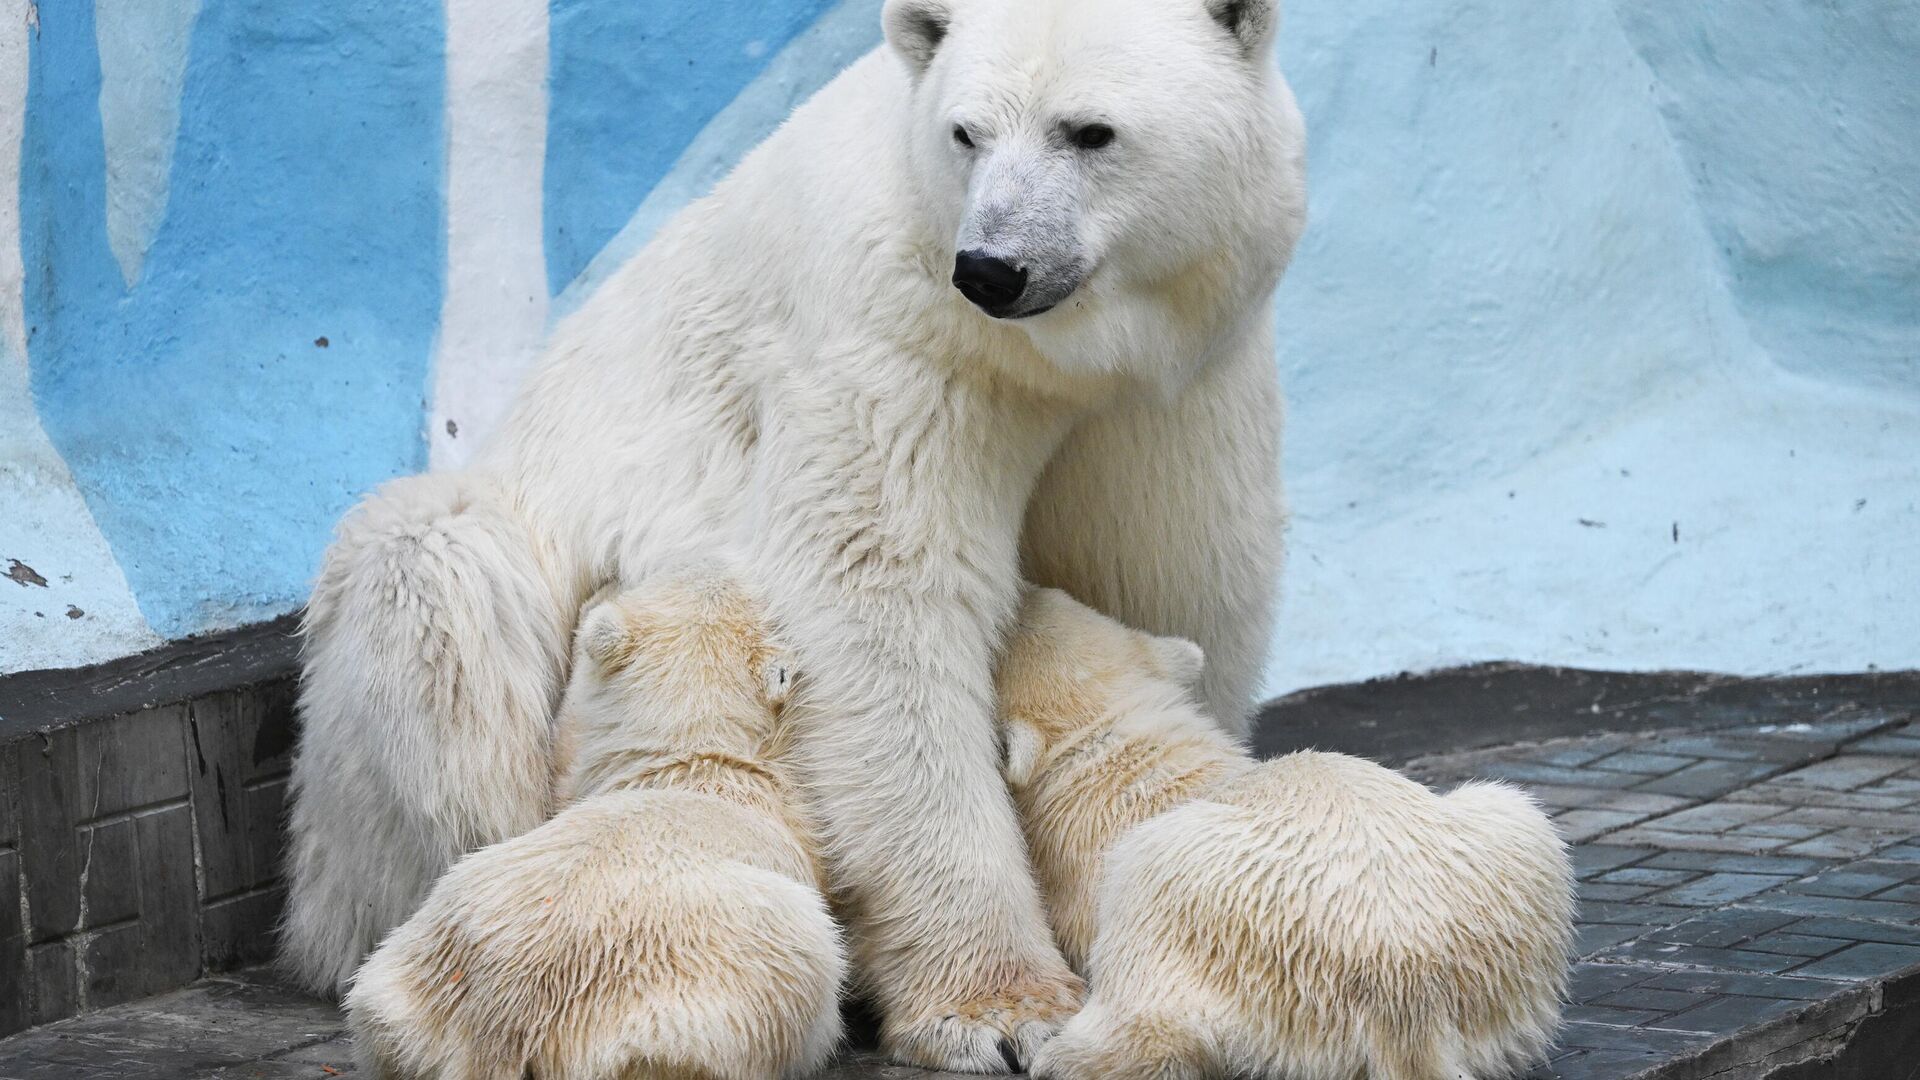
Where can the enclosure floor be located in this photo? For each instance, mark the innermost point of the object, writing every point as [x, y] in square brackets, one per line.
[1750, 907]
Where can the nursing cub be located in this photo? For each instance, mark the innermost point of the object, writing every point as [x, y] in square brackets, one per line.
[669, 922]
[1317, 916]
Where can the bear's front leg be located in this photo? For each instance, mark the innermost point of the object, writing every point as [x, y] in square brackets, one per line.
[887, 532]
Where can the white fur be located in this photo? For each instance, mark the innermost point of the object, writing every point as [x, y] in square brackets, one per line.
[670, 924]
[1317, 917]
[787, 368]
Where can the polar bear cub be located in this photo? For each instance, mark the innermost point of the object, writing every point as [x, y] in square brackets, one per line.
[1317, 917]
[671, 922]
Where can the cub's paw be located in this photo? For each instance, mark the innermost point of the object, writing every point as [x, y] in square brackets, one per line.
[997, 1033]
[1095, 1047]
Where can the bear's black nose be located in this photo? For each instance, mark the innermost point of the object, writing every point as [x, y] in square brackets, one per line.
[993, 285]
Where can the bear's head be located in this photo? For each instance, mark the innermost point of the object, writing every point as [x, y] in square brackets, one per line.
[683, 661]
[1070, 672]
[1123, 178]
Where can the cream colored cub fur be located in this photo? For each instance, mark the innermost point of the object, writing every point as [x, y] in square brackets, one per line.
[1317, 917]
[670, 923]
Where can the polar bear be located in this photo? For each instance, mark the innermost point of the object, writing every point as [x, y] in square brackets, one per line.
[994, 302]
[1316, 916]
[670, 923]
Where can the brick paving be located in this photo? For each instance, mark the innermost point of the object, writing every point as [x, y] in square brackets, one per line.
[1749, 897]
[1750, 907]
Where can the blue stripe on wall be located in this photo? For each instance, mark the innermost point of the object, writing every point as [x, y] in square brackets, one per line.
[215, 441]
[631, 84]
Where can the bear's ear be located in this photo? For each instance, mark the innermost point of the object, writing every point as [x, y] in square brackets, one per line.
[1023, 751]
[603, 635]
[915, 29]
[1251, 22]
[780, 675]
[1180, 660]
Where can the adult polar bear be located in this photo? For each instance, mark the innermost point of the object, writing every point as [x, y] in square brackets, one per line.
[1115, 187]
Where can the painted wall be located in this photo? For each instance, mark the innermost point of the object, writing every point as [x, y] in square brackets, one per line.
[1603, 346]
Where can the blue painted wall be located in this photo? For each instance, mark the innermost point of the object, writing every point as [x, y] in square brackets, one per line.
[215, 437]
[632, 84]
[1603, 345]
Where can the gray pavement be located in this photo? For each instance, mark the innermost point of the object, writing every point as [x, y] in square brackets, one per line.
[1750, 908]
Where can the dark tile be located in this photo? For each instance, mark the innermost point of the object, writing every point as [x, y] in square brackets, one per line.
[1590, 982]
[1661, 952]
[1599, 890]
[1844, 844]
[169, 899]
[238, 788]
[1836, 906]
[1723, 929]
[1790, 865]
[85, 774]
[1846, 881]
[9, 794]
[1904, 823]
[1727, 1015]
[1639, 1039]
[1775, 830]
[1906, 853]
[1733, 748]
[1635, 761]
[1746, 984]
[114, 968]
[1905, 894]
[14, 1011]
[1579, 826]
[1601, 1065]
[1858, 930]
[1591, 859]
[1709, 779]
[1795, 945]
[1715, 817]
[1573, 756]
[239, 930]
[1661, 1001]
[1525, 772]
[110, 870]
[1591, 938]
[1646, 875]
[1606, 911]
[1611, 1016]
[1844, 773]
[1735, 842]
[1871, 960]
[55, 989]
[1718, 888]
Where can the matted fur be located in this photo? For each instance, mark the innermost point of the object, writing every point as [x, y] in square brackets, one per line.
[668, 924]
[1317, 917]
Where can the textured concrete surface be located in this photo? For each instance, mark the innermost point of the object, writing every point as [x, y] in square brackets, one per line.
[1750, 910]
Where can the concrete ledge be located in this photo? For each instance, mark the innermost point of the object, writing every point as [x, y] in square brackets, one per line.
[141, 801]
[140, 821]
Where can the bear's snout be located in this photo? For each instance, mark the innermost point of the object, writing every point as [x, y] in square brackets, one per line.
[993, 285]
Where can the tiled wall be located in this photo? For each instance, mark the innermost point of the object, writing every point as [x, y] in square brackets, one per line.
[140, 850]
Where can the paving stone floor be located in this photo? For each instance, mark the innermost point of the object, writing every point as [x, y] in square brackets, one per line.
[1750, 907]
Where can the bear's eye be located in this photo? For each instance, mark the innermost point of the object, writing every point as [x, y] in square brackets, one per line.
[960, 136]
[1093, 136]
